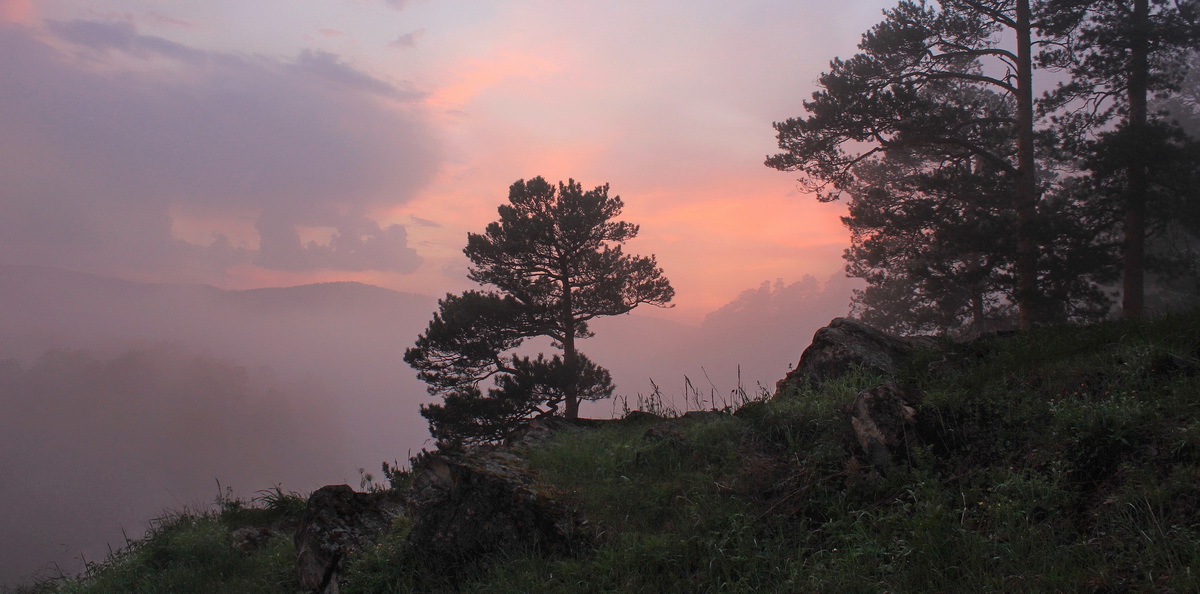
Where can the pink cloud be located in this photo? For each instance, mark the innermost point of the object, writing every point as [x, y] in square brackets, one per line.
[476, 75]
[17, 11]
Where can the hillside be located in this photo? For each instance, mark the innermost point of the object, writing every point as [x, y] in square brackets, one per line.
[1063, 459]
[119, 399]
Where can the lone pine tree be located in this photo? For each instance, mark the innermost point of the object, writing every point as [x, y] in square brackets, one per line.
[552, 263]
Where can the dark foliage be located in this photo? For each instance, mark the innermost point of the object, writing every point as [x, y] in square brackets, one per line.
[930, 132]
[555, 261]
[1119, 54]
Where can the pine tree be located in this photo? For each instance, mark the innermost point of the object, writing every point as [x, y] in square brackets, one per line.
[554, 262]
[924, 84]
[1119, 53]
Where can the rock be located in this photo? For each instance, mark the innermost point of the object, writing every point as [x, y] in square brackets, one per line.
[663, 433]
[751, 410]
[250, 538]
[884, 419]
[468, 505]
[337, 522]
[640, 416]
[538, 430]
[846, 344]
[669, 429]
[702, 415]
[669, 432]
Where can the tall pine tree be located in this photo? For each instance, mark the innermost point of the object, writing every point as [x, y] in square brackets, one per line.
[1120, 53]
[890, 99]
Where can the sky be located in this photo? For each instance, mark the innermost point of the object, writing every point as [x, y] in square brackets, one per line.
[254, 143]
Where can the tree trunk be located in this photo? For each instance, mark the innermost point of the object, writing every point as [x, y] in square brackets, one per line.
[1026, 191]
[572, 389]
[1133, 277]
[977, 322]
[570, 358]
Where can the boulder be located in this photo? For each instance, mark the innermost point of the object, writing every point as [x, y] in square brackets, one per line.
[663, 433]
[337, 522]
[467, 505]
[884, 423]
[536, 431]
[669, 430]
[846, 344]
[641, 416]
[696, 416]
[250, 538]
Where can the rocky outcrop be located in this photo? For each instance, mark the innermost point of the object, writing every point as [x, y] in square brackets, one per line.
[536, 431]
[250, 538]
[337, 522]
[468, 505]
[845, 345]
[883, 418]
[884, 422]
[641, 416]
[670, 430]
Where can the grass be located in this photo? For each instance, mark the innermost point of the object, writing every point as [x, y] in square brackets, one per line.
[1064, 460]
[191, 552]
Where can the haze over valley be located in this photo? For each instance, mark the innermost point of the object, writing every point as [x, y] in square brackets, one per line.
[123, 399]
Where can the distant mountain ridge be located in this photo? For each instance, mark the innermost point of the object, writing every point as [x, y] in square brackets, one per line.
[48, 307]
[34, 283]
[330, 294]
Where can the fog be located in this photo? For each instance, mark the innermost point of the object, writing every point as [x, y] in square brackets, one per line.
[121, 400]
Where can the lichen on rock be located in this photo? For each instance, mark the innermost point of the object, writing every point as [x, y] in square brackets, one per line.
[337, 523]
[468, 505]
[847, 345]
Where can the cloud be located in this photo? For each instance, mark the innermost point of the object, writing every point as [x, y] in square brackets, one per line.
[112, 134]
[332, 69]
[396, 4]
[121, 36]
[358, 244]
[161, 19]
[408, 40]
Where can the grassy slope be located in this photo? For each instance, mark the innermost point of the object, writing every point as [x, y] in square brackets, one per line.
[1058, 460]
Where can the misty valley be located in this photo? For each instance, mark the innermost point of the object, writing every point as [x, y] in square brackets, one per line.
[951, 342]
[124, 400]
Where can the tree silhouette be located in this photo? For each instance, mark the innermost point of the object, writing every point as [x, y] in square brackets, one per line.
[554, 263]
[886, 99]
[1119, 53]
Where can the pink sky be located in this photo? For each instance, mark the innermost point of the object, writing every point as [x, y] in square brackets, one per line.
[226, 142]
[255, 143]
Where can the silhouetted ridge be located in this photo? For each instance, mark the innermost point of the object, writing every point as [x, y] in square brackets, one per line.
[341, 294]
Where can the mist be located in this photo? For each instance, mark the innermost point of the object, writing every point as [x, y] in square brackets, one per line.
[120, 401]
